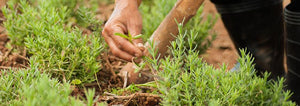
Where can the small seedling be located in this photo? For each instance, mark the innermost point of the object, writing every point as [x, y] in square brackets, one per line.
[76, 82]
[129, 37]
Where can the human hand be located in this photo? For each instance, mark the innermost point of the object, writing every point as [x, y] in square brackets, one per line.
[125, 19]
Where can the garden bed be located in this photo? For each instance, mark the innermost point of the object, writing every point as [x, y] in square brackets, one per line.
[56, 46]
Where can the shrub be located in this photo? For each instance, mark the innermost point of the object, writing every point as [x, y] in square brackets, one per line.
[57, 46]
[186, 80]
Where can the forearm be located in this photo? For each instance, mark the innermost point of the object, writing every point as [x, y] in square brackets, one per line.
[184, 10]
[132, 2]
[139, 2]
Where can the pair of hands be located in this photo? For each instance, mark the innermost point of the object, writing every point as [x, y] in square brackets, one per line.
[125, 19]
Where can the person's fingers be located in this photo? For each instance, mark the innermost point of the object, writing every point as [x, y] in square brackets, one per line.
[124, 44]
[115, 50]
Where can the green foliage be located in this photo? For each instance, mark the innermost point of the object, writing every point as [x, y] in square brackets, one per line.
[154, 11]
[50, 30]
[129, 37]
[187, 80]
[12, 82]
[132, 88]
[55, 45]
[33, 88]
[90, 93]
[46, 92]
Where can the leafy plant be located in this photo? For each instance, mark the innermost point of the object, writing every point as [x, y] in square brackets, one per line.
[90, 93]
[57, 47]
[187, 80]
[31, 87]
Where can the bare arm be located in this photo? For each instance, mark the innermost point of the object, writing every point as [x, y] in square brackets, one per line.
[184, 10]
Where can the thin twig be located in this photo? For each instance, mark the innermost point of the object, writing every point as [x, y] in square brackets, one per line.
[7, 53]
[126, 104]
[97, 81]
[155, 78]
[136, 95]
[4, 67]
[12, 68]
[22, 57]
[109, 94]
[110, 66]
[22, 65]
[24, 52]
[125, 79]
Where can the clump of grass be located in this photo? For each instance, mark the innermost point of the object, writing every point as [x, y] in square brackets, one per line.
[55, 45]
[187, 80]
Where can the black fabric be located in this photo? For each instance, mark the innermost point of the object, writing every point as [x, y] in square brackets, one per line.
[243, 5]
[294, 6]
[231, 1]
[292, 27]
[261, 32]
[227, 1]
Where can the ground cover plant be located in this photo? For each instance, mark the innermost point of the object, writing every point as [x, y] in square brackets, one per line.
[63, 41]
[187, 80]
[31, 87]
[54, 44]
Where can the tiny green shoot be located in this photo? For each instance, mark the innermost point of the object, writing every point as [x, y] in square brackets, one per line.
[129, 37]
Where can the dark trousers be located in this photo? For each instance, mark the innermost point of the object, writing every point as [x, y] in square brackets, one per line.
[293, 2]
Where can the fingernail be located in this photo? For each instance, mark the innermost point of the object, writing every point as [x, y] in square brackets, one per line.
[140, 45]
[136, 55]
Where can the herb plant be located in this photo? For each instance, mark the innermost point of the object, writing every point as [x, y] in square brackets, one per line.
[187, 80]
[31, 87]
[54, 45]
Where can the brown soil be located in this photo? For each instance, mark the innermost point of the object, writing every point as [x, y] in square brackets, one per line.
[222, 50]
[9, 58]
